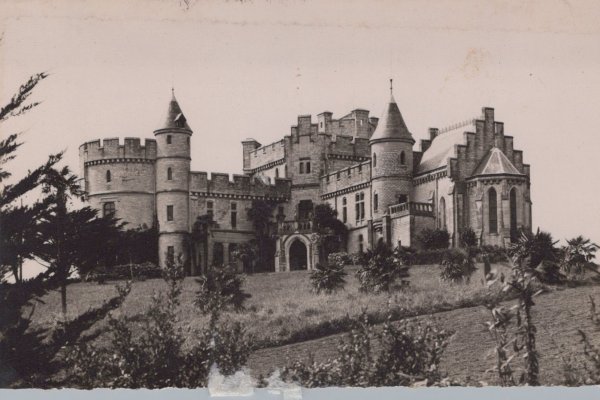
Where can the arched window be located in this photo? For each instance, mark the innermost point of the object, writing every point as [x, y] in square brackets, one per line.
[276, 172]
[513, 214]
[402, 158]
[374, 160]
[108, 176]
[108, 209]
[493, 210]
[169, 174]
[442, 214]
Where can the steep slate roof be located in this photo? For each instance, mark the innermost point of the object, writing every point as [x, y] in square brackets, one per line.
[391, 124]
[175, 117]
[495, 162]
[442, 147]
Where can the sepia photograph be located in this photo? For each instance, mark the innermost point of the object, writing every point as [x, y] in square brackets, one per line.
[299, 194]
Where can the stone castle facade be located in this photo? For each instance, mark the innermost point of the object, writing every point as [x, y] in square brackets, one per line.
[465, 176]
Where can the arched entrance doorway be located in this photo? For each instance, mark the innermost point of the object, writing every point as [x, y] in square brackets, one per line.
[298, 256]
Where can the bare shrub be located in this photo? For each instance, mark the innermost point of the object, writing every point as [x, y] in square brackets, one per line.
[402, 354]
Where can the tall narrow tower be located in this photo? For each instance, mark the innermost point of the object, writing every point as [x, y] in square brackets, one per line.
[391, 160]
[172, 184]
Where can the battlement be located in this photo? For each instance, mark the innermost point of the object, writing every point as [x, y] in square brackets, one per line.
[346, 177]
[220, 184]
[348, 145]
[111, 148]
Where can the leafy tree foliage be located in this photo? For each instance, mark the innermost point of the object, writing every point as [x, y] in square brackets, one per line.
[201, 231]
[579, 255]
[331, 231]
[71, 237]
[468, 238]
[381, 269]
[457, 265]
[261, 215]
[538, 253]
[150, 351]
[220, 288]
[330, 277]
[431, 239]
[247, 253]
[28, 353]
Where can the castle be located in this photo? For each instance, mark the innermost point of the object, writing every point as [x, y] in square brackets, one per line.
[465, 176]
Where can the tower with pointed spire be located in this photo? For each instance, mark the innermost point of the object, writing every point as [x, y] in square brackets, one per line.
[172, 183]
[391, 160]
[465, 176]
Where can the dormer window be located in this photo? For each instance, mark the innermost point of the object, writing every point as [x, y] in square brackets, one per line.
[168, 139]
[180, 121]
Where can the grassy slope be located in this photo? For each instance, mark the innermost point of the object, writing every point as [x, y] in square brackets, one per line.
[557, 316]
[282, 308]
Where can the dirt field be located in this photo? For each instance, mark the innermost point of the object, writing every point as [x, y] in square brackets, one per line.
[469, 353]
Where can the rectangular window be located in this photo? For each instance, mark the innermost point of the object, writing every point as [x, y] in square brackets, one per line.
[233, 215]
[108, 209]
[169, 213]
[168, 139]
[308, 167]
[359, 168]
[375, 202]
[301, 167]
[360, 206]
[337, 176]
[349, 173]
[209, 208]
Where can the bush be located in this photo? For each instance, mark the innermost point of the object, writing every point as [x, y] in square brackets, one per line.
[494, 254]
[341, 258]
[141, 271]
[220, 288]
[400, 354]
[328, 278]
[155, 355]
[431, 239]
[457, 265]
[381, 268]
[468, 238]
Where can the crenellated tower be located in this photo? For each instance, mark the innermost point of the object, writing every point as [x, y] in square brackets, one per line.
[172, 184]
[391, 160]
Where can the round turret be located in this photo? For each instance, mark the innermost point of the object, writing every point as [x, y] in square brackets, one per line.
[172, 184]
[119, 179]
[391, 160]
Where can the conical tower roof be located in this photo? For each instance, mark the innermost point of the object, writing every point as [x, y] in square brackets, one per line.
[495, 163]
[391, 126]
[174, 118]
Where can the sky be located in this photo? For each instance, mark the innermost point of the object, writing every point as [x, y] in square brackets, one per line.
[248, 68]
